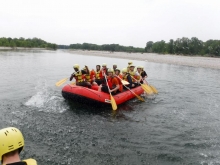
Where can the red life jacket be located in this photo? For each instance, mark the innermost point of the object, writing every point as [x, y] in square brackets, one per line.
[109, 79]
[120, 83]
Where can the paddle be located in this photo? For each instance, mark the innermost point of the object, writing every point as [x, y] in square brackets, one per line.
[59, 83]
[145, 87]
[114, 105]
[154, 89]
[123, 81]
[151, 86]
[139, 97]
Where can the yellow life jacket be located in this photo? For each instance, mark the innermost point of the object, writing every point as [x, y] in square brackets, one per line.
[88, 77]
[132, 74]
[97, 75]
[78, 76]
[30, 161]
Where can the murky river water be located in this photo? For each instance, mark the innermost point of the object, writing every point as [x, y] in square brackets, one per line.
[181, 125]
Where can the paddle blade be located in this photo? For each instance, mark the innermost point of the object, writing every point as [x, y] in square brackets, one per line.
[147, 89]
[140, 98]
[114, 105]
[154, 89]
[59, 83]
[124, 82]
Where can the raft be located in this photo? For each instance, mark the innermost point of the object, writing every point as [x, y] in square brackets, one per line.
[94, 97]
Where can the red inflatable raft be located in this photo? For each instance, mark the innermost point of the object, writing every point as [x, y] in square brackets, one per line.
[94, 97]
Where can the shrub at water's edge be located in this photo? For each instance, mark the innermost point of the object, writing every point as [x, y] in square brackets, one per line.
[185, 46]
[26, 43]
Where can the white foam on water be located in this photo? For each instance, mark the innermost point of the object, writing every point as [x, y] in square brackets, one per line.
[46, 100]
[37, 100]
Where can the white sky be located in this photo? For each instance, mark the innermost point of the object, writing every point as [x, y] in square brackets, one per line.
[124, 22]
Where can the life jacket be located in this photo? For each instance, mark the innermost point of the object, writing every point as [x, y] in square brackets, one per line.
[79, 77]
[26, 162]
[89, 77]
[110, 84]
[132, 74]
[120, 83]
[98, 75]
[137, 76]
[125, 77]
[104, 71]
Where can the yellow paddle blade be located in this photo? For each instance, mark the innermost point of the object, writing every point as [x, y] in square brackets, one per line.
[114, 105]
[124, 82]
[61, 82]
[147, 89]
[154, 89]
[140, 98]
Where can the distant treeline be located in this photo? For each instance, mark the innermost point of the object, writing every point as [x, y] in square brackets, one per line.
[185, 46]
[26, 43]
[106, 47]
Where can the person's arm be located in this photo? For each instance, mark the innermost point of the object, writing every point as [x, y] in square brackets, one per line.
[71, 76]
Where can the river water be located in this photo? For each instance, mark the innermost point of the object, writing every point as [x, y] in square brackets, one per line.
[181, 125]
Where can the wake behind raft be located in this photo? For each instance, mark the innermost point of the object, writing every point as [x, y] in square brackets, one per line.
[93, 97]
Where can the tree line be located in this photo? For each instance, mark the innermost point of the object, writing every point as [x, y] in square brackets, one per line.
[185, 46]
[26, 43]
[106, 47]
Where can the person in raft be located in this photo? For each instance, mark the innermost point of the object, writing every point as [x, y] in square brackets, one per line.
[89, 78]
[98, 75]
[104, 69]
[143, 75]
[119, 77]
[11, 144]
[128, 67]
[134, 76]
[114, 67]
[127, 77]
[79, 76]
[112, 84]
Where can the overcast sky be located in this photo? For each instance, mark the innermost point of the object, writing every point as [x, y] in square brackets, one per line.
[124, 22]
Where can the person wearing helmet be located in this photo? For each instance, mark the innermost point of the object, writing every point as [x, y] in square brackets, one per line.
[143, 75]
[127, 77]
[129, 63]
[112, 83]
[11, 144]
[98, 75]
[119, 77]
[104, 69]
[79, 76]
[114, 67]
[138, 73]
[89, 78]
[134, 75]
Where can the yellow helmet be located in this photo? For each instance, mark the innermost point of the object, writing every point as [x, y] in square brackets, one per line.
[110, 70]
[76, 66]
[142, 67]
[124, 70]
[139, 67]
[117, 69]
[11, 139]
[130, 62]
[104, 64]
[115, 64]
[131, 65]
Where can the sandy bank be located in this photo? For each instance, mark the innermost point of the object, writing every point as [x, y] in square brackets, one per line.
[20, 48]
[206, 62]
